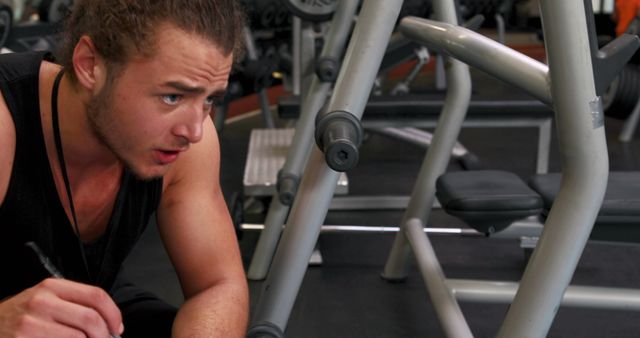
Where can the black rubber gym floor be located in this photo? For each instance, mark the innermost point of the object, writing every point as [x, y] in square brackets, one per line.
[345, 297]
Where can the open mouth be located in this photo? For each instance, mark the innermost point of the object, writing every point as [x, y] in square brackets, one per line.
[166, 156]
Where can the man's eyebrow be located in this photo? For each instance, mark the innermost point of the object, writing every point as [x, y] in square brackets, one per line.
[197, 90]
[184, 88]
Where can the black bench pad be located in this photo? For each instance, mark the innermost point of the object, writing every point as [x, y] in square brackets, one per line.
[622, 197]
[488, 200]
[619, 217]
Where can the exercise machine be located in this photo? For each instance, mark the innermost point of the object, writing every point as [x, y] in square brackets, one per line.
[568, 84]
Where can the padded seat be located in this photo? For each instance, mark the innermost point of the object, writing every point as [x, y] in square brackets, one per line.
[487, 200]
[619, 216]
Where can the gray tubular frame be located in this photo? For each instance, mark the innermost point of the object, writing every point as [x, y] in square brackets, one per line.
[585, 164]
[423, 195]
[355, 81]
[568, 85]
[302, 140]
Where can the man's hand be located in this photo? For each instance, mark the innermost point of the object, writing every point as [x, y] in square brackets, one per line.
[60, 308]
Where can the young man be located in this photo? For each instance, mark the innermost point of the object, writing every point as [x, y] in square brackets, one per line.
[91, 148]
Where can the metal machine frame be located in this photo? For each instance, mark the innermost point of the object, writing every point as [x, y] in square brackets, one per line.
[567, 84]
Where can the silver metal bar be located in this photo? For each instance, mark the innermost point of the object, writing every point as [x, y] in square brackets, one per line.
[481, 52]
[530, 228]
[265, 107]
[575, 296]
[299, 237]
[364, 67]
[500, 27]
[438, 155]
[387, 202]
[373, 229]
[435, 163]
[307, 57]
[354, 83]
[441, 79]
[268, 240]
[447, 309]
[296, 27]
[630, 124]
[580, 123]
[544, 144]
[302, 142]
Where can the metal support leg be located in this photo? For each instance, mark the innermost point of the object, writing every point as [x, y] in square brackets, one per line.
[441, 80]
[437, 158]
[296, 37]
[580, 123]
[411, 235]
[500, 27]
[354, 83]
[575, 296]
[447, 308]
[544, 144]
[302, 142]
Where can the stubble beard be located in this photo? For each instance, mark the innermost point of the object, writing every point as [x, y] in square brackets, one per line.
[99, 110]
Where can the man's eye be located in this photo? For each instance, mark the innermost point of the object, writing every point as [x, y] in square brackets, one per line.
[171, 99]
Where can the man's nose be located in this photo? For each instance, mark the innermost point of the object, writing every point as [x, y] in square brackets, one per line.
[190, 127]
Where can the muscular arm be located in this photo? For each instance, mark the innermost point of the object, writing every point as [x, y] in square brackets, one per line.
[197, 231]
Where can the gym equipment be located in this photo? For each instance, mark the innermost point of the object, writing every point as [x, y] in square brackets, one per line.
[297, 155]
[569, 83]
[424, 110]
[53, 11]
[623, 94]
[261, 71]
[20, 34]
[314, 10]
[382, 112]
[621, 100]
[570, 220]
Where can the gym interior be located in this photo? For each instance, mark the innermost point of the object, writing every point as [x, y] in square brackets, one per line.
[423, 168]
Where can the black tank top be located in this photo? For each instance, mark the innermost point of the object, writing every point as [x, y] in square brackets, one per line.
[32, 210]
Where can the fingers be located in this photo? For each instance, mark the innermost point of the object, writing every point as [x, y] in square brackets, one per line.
[32, 326]
[85, 319]
[87, 307]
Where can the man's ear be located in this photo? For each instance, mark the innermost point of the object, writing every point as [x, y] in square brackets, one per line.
[88, 65]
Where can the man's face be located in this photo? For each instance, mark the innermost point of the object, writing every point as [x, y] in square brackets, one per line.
[155, 108]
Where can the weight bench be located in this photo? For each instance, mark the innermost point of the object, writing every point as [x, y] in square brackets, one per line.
[489, 200]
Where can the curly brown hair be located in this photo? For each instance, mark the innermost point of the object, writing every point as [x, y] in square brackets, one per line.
[121, 29]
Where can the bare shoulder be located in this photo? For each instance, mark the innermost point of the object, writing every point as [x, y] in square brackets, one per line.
[7, 150]
[199, 166]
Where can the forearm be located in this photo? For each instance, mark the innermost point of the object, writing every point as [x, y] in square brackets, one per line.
[220, 311]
